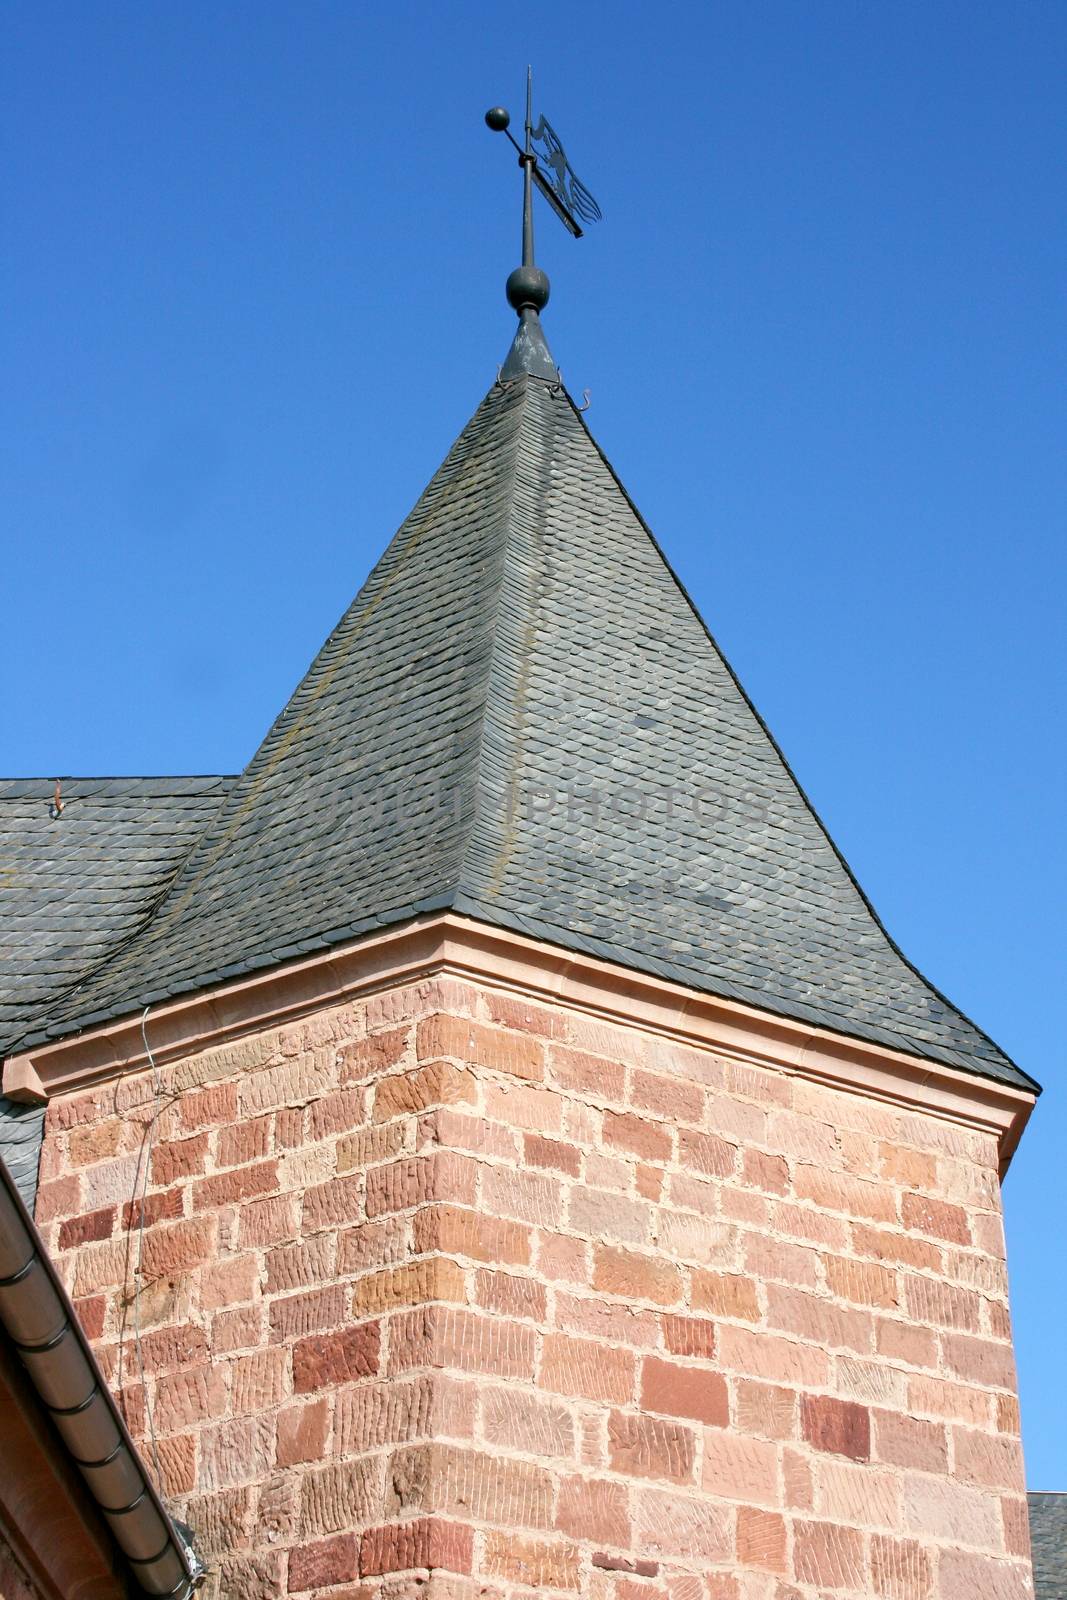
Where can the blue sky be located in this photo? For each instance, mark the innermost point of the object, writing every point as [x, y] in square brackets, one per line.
[253, 287]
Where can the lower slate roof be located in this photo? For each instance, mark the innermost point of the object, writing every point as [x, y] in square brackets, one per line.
[522, 717]
[1048, 1540]
[74, 888]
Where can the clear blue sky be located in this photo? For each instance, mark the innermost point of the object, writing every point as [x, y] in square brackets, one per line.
[253, 287]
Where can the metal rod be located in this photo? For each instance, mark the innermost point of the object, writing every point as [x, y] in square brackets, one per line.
[527, 178]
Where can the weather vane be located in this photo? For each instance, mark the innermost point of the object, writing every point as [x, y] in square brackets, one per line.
[544, 163]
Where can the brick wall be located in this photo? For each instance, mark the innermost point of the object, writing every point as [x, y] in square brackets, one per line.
[450, 1283]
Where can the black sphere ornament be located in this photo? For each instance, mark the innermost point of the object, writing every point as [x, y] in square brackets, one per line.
[527, 287]
[497, 119]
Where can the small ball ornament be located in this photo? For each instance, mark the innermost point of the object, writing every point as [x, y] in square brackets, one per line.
[497, 119]
[527, 286]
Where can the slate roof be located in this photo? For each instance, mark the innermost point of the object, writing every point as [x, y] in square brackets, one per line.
[1048, 1540]
[73, 889]
[522, 717]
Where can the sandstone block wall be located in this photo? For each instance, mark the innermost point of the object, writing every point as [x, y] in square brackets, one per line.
[447, 1293]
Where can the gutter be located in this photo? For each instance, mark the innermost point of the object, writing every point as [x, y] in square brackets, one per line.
[37, 1314]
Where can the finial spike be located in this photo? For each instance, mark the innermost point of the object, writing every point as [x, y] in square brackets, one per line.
[528, 287]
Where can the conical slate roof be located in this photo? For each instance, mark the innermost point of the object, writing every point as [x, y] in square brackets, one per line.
[522, 717]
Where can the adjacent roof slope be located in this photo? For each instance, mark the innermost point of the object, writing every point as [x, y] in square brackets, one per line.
[1048, 1539]
[521, 716]
[73, 888]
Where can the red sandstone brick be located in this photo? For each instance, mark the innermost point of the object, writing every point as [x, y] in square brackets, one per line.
[334, 1358]
[375, 1244]
[594, 1509]
[648, 1181]
[237, 1330]
[165, 1349]
[296, 1315]
[910, 1442]
[671, 1524]
[828, 1556]
[608, 1320]
[813, 1317]
[738, 1468]
[991, 1460]
[580, 1073]
[649, 1140]
[83, 1229]
[472, 1234]
[332, 1204]
[511, 1295]
[935, 1217]
[979, 1360]
[582, 1367]
[301, 1433]
[900, 1569]
[727, 1295]
[293, 1265]
[240, 1183]
[165, 1206]
[764, 1171]
[440, 1175]
[966, 1577]
[649, 1447]
[839, 1426]
[1016, 1520]
[438, 1083]
[696, 1194]
[452, 1336]
[244, 1142]
[896, 1247]
[689, 1336]
[682, 1391]
[945, 1304]
[766, 1410]
[540, 1564]
[552, 1154]
[179, 1158]
[527, 1196]
[706, 1153]
[369, 1057]
[672, 1098]
[324, 1564]
[92, 1313]
[191, 1396]
[178, 1247]
[761, 1539]
[1008, 1420]
[508, 1012]
[415, 1283]
[536, 1424]
[837, 1191]
[955, 1401]
[96, 1142]
[562, 1259]
[865, 1283]
[212, 1107]
[479, 1046]
[268, 1222]
[60, 1198]
[288, 1127]
[523, 1106]
[912, 1169]
[636, 1277]
[901, 1341]
[767, 1258]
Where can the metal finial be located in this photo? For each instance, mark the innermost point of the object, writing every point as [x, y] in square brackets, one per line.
[549, 169]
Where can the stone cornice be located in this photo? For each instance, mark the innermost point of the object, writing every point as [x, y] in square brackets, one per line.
[448, 944]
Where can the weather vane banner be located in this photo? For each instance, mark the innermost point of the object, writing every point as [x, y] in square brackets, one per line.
[546, 163]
